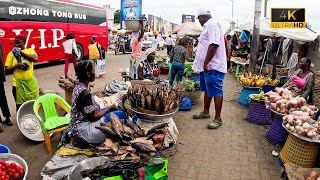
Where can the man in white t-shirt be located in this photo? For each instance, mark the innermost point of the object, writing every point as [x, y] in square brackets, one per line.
[169, 43]
[155, 41]
[211, 62]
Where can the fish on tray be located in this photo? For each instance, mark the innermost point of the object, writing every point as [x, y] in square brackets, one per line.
[110, 144]
[116, 125]
[108, 131]
[142, 140]
[135, 128]
[160, 126]
[143, 147]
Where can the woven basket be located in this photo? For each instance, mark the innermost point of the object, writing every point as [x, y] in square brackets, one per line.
[142, 83]
[195, 96]
[258, 113]
[277, 135]
[299, 152]
[244, 96]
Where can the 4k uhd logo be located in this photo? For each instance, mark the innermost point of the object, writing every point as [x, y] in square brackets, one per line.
[288, 18]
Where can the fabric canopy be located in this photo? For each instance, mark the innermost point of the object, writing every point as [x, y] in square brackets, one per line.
[190, 30]
[299, 34]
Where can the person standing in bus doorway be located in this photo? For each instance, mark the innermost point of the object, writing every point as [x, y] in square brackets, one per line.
[20, 60]
[3, 102]
[95, 53]
[70, 53]
[136, 46]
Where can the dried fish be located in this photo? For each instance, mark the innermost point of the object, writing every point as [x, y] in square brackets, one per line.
[110, 144]
[144, 147]
[160, 126]
[116, 125]
[128, 130]
[135, 127]
[108, 132]
[142, 140]
[158, 138]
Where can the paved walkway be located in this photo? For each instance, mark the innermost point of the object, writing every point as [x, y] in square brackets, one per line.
[237, 150]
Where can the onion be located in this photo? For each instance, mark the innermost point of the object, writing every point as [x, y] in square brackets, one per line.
[298, 128]
[293, 102]
[273, 106]
[293, 109]
[298, 122]
[288, 126]
[291, 122]
[310, 134]
[303, 101]
[306, 126]
[304, 109]
[292, 128]
[278, 90]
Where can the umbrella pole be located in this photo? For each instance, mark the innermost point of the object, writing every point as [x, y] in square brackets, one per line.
[264, 57]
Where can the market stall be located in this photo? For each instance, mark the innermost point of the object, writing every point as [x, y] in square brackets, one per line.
[133, 144]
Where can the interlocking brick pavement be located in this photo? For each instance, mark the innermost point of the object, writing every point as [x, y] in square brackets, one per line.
[237, 150]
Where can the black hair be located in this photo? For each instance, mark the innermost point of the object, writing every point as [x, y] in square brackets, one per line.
[308, 61]
[82, 69]
[69, 36]
[228, 37]
[170, 36]
[93, 38]
[235, 40]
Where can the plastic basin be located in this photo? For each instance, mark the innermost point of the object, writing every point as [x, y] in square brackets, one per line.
[4, 149]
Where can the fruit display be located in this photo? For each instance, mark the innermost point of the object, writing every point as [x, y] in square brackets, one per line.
[10, 171]
[250, 80]
[301, 125]
[273, 82]
[282, 101]
[258, 97]
[160, 57]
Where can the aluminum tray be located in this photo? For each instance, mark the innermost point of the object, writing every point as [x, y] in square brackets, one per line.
[152, 117]
[301, 137]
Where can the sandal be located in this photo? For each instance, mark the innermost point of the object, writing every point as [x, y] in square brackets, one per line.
[201, 115]
[7, 122]
[215, 124]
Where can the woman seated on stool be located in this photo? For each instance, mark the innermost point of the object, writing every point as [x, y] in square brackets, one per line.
[86, 113]
[302, 81]
[147, 69]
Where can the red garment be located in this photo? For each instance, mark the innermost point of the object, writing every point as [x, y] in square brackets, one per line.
[226, 46]
[67, 59]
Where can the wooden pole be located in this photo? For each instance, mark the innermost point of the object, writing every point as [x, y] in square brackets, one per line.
[255, 36]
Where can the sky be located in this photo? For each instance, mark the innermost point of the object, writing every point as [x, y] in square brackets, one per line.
[172, 10]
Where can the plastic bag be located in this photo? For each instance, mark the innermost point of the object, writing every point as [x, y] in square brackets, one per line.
[186, 104]
[155, 169]
[101, 67]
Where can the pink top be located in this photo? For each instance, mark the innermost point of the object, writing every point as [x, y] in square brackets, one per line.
[136, 48]
[299, 82]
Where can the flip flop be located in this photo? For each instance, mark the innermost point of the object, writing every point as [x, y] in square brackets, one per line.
[8, 123]
[215, 124]
[201, 115]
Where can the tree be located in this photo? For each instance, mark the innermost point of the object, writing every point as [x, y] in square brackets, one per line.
[117, 16]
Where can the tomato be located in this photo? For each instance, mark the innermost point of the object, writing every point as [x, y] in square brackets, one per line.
[21, 168]
[8, 177]
[16, 175]
[2, 178]
[11, 174]
[2, 162]
[21, 172]
[2, 168]
[13, 165]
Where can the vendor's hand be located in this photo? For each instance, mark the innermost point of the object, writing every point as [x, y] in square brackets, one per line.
[112, 108]
[18, 66]
[206, 68]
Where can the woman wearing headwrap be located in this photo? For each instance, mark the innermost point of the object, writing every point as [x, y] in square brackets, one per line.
[20, 60]
[147, 68]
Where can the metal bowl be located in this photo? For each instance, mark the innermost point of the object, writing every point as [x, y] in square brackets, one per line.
[152, 117]
[86, 164]
[16, 159]
[28, 123]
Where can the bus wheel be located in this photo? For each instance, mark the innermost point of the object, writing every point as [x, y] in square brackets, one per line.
[80, 50]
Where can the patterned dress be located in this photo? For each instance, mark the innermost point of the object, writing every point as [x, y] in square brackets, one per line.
[83, 104]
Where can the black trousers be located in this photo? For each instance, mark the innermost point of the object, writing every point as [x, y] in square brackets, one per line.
[14, 92]
[169, 49]
[3, 102]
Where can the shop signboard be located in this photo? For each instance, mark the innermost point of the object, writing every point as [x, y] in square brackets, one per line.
[188, 18]
[130, 9]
